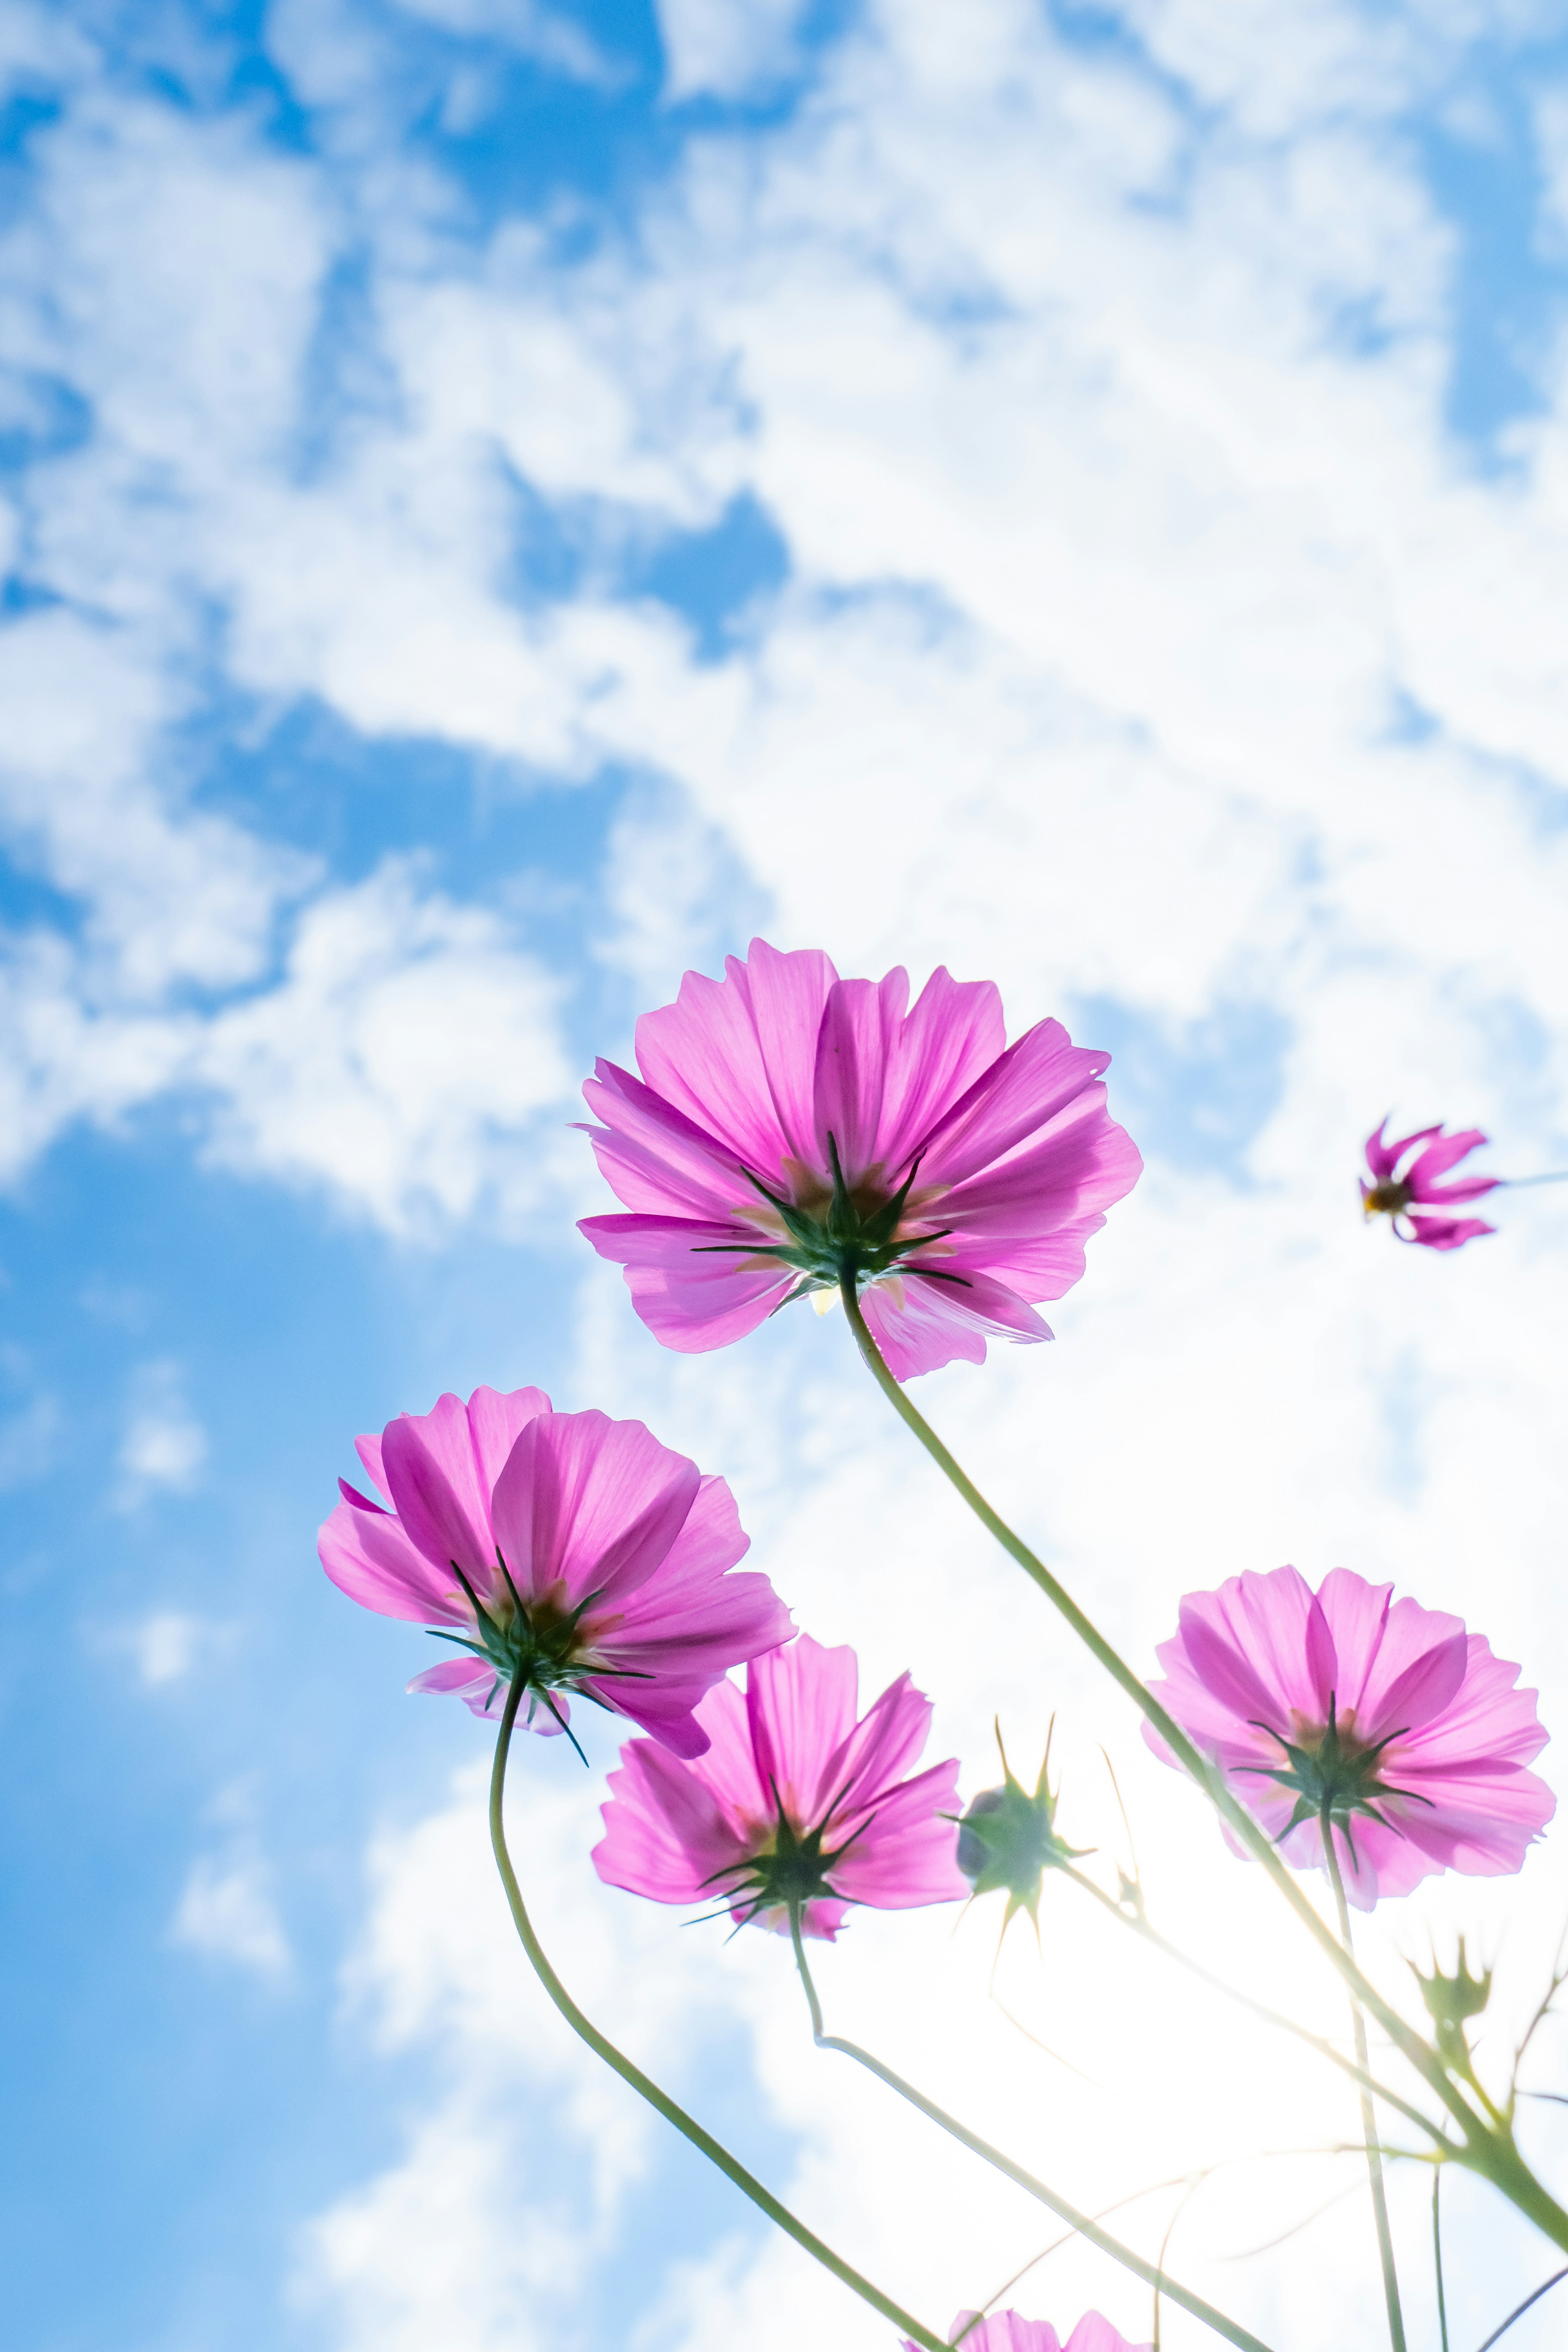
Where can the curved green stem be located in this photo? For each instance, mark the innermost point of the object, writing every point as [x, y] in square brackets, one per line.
[1368, 2119]
[1151, 1935]
[1257, 1841]
[1437, 2252]
[1149, 2272]
[603, 2048]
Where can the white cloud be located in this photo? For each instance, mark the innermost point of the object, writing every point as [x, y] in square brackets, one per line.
[730, 52]
[168, 1645]
[226, 1913]
[164, 1445]
[408, 1044]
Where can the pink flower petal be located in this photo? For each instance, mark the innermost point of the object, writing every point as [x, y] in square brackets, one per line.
[736, 1055]
[692, 1301]
[434, 1483]
[799, 1702]
[368, 1556]
[585, 1505]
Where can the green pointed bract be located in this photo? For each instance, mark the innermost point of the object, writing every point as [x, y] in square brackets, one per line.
[1337, 1777]
[1450, 2002]
[541, 1642]
[1007, 1840]
[847, 1239]
[791, 1873]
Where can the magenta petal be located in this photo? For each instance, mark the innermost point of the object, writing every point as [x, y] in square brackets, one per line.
[589, 1504]
[951, 1036]
[855, 1047]
[736, 1055]
[1223, 1672]
[800, 1703]
[921, 1325]
[1323, 1658]
[1439, 1156]
[369, 1451]
[909, 1855]
[1425, 1690]
[1020, 1093]
[361, 1502]
[432, 1481]
[1447, 1233]
[690, 1298]
[368, 1556]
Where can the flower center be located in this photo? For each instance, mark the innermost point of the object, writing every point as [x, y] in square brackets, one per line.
[788, 1874]
[1334, 1775]
[832, 1237]
[1385, 1200]
[543, 1639]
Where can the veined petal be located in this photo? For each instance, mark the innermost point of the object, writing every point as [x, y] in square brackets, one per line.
[800, 1703]
[1021, 1091]
[434, 1483]
[589, 1504]
[736, 1055]
[691, 1297]
[920, 1323]
[368, 1557]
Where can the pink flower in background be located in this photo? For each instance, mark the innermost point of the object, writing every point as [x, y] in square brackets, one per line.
[573, 1547]
[1396, 1195]
[1007, 2331]
[1404, 1726]
[788, 1124]
[793, 1803]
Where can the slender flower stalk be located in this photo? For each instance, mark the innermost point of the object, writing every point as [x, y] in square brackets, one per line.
[602, 2047]
[1143, 1928]
[1086, 2227]
[1488, 2149]
[1368, 2118]
[1438, 2253]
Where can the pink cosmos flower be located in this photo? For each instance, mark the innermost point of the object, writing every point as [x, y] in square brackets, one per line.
[793, 1803]
[790, 1126]
[1008, 2331]
[572, 1547]
[1393, 1718]
[1393, 1195]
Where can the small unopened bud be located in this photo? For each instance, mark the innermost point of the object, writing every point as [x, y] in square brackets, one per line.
[1007, 1840]
[1451, 2000]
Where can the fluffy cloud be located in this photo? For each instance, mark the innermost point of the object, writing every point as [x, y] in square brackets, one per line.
[164, 1445]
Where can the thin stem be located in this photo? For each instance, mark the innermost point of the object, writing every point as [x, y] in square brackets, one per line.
[1437, 2252]
[1258, 1841]
[605, 2049]
[1143, 1928]
[1368, 2120]
[1555, 2280]
[1149, 2272]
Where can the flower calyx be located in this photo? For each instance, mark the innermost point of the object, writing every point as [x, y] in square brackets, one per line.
[1007, 1839]
[1451, 2000]
[1334, 1776]
[788, 1874]
[851, 1236]
[539, 1640]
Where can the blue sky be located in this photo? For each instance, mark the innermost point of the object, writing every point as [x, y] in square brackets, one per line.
[500, 503]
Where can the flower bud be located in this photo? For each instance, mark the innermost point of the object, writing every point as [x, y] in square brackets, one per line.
[1007, 1840]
